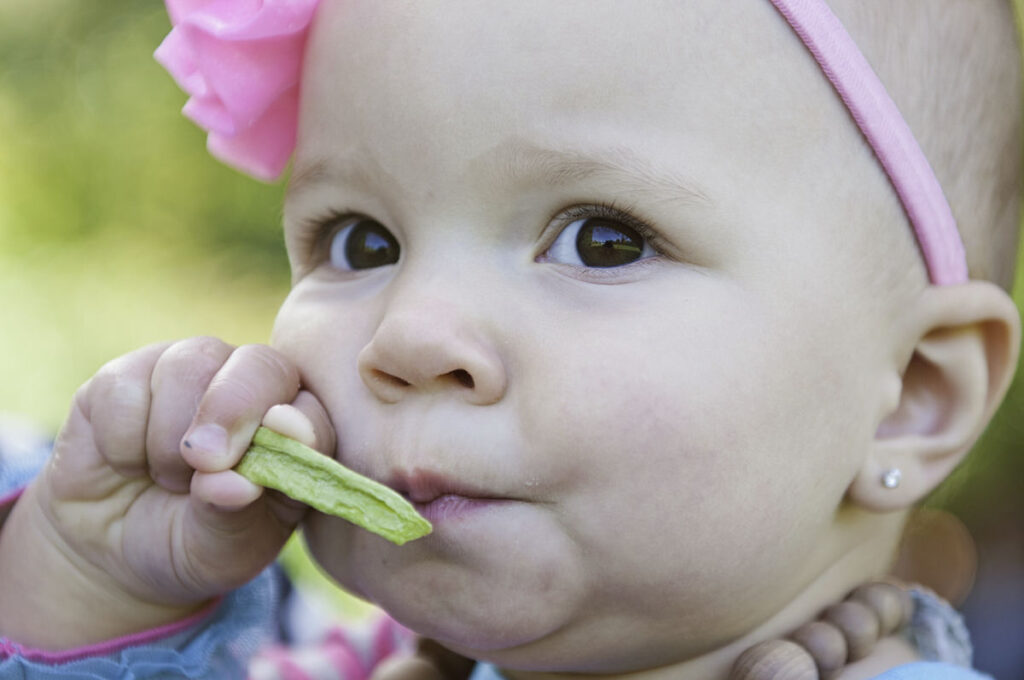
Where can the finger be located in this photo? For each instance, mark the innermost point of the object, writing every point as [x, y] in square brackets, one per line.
[254, 378]
[180, 378]
[291, 422]
[227, 503]
[304, 420]
[116, 403]
[226, 490]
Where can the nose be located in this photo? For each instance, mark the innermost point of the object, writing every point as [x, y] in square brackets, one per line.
[428, 348]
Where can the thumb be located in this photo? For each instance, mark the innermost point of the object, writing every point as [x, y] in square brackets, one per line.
[304, 420]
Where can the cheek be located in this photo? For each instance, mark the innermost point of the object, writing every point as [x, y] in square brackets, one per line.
[670, 395]
[688, 451]
[323, 340]
[719, 394]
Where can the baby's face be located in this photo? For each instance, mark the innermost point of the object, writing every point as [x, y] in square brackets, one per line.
[587, 276]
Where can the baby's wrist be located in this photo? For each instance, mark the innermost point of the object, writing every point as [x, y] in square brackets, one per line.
[54, 600]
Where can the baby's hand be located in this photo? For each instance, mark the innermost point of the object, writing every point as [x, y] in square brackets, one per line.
[138, 519]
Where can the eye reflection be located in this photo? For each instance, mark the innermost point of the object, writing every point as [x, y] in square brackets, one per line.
[599, 242]
[364, 244]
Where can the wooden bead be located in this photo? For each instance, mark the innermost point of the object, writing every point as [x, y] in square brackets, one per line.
[858, 624]
[908, 607]
[825, 643]
[887, 601]
[775, 660]
[406, 668]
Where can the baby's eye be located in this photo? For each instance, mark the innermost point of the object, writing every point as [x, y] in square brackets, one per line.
[363, 244]
[599, 242]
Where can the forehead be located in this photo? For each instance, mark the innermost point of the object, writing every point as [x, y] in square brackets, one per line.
[431, 98]
[459, 69]
[629, 45]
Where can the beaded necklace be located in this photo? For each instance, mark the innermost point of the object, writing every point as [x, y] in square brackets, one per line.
[844, 633]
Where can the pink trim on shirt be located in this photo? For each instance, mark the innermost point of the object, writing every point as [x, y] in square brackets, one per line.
[11, 497]
[9, 648]
[7, 502]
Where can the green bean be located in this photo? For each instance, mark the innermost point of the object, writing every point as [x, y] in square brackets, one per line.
[281, 463]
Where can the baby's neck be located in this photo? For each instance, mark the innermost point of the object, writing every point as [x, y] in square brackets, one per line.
[856, 566]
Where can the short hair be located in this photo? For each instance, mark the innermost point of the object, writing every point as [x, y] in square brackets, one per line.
[953, 67]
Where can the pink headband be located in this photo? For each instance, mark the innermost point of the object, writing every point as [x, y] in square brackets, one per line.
[240, 62]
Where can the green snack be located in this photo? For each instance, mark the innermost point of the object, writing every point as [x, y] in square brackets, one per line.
[281, 463]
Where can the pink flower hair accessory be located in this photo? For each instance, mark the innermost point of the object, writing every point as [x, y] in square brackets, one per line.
[240, 62]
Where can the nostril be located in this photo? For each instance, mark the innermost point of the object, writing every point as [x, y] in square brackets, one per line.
[388, 379]
[462, 377]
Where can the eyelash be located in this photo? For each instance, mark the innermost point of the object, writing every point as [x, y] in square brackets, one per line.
[608, 211]
[315, 233]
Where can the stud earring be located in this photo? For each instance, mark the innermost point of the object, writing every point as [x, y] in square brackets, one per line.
[891, 478]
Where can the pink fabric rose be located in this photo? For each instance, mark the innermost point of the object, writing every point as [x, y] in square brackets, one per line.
[240, 62]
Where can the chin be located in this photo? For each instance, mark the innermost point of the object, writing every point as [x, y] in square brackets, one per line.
[475, 606]
[482, 602]
[481, 633]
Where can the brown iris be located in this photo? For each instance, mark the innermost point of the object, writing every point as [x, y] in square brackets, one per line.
[605, 243]
[370, 245]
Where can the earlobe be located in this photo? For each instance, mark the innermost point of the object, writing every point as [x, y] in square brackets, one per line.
[960, 366]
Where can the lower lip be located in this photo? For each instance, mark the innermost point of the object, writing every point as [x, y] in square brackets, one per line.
[450, 507]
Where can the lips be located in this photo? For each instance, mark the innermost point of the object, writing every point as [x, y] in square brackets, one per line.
[438, 497]
[425, 486]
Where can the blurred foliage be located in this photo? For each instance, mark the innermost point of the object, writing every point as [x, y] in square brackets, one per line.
[116, 227]
[94, 143]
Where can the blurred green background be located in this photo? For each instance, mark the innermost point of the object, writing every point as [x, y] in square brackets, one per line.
[117, 229]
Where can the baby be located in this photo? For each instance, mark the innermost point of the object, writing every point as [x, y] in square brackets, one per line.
[618, 294]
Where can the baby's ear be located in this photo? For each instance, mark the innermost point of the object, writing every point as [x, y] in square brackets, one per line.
[965, 340]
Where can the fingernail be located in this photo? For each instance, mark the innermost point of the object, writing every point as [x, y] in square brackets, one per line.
[208, 439]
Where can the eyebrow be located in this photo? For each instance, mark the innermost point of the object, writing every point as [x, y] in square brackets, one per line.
[523, 162]
[620, 165]
[357, 170]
